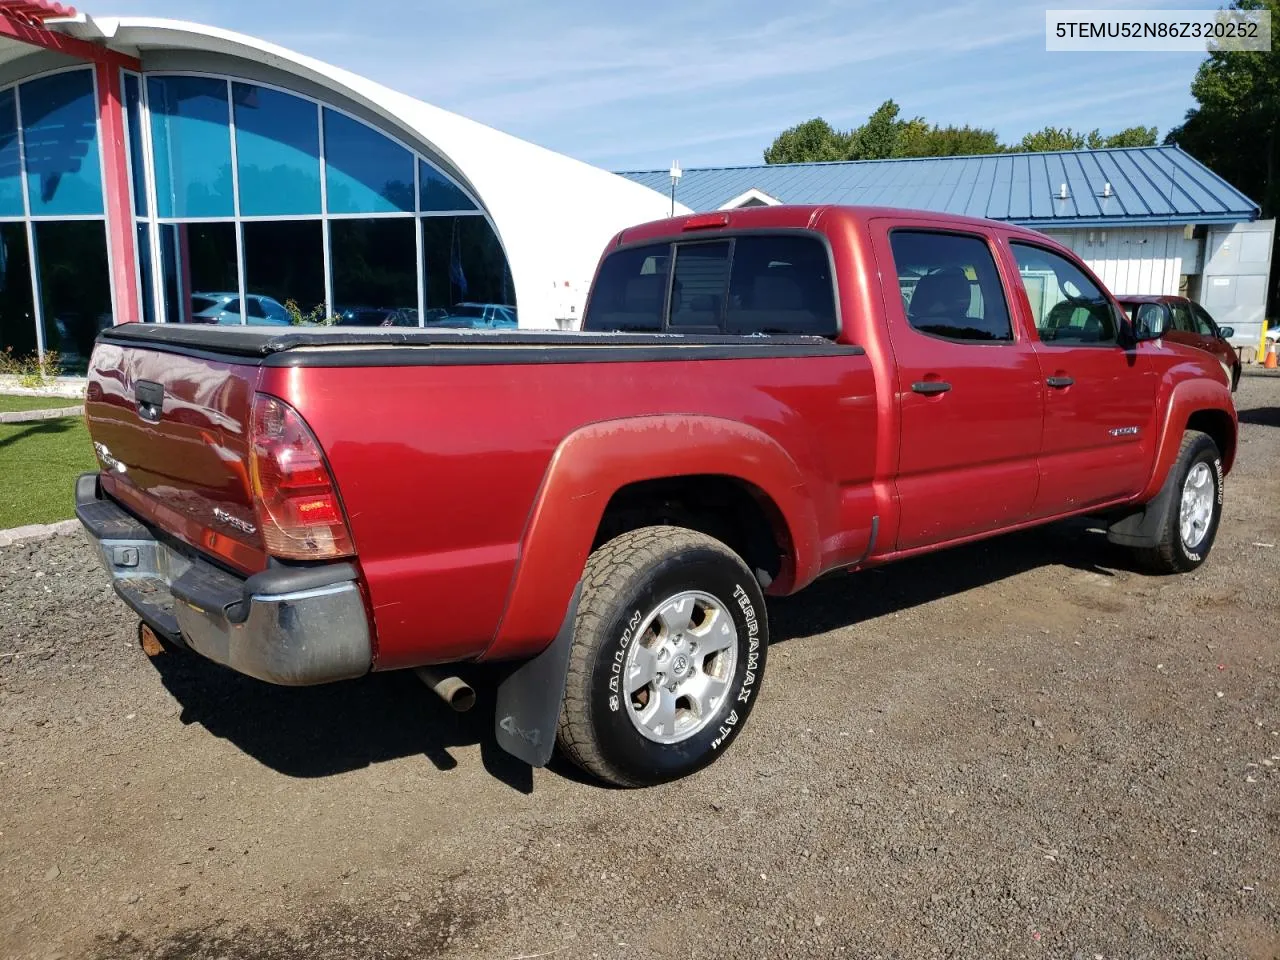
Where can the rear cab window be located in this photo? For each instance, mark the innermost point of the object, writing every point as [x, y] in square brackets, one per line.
[950, 286]
[747, 284]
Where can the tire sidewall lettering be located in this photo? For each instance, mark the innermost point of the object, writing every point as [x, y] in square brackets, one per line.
[742, 600]
[1198, 555]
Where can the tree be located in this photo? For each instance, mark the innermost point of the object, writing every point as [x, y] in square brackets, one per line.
[878, 138]
[1133, 137]
[808, 142]
[885, 135]
[947, 141]
[1235, 127]
[1052, 138]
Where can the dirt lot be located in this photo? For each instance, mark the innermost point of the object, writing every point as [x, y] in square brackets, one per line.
[1016, 749]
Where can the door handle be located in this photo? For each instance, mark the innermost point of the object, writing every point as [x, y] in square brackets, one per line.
[930, 387]
[1059, 383]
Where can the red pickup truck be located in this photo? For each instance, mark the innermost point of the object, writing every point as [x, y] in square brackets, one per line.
[758, 398]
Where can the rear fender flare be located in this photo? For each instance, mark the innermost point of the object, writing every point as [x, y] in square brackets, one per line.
[596, 461]
[1185, 399]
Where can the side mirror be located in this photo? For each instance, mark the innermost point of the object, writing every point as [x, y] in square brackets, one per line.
[1148, 322]
[1226, 333]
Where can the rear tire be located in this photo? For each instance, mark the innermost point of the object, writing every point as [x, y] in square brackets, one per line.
[1192, 515]
[668, 653]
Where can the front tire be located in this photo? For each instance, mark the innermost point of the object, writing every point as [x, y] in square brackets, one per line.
[1192, 514]
[668, 653]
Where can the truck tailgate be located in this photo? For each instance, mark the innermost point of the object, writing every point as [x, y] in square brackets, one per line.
[171, 433]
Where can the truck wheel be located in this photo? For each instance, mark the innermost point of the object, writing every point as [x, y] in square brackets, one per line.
[1193, 512]
[668, 651]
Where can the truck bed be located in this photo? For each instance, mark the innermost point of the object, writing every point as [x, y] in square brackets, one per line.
[396, 346]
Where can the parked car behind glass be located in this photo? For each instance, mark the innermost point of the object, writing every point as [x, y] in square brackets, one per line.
[224, 308]
[1185, 321]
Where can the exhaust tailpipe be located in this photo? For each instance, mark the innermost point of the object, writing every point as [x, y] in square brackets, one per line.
[454, 691]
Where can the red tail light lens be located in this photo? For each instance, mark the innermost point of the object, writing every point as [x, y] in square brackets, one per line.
[298, 507]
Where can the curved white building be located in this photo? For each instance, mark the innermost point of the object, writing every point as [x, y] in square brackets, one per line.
[164, 171]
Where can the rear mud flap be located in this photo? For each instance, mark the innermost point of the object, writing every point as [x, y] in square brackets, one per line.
[529, 699]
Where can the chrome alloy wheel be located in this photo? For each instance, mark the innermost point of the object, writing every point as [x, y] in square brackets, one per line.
[679, 666]
[1196, 509]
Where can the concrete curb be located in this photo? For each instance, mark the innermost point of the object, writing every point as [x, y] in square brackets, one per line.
[49, 413]
[38, 531]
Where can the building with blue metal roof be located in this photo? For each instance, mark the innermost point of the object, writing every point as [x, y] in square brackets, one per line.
[1145, 219]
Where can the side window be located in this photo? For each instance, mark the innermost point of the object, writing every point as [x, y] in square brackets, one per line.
[950, 287]
[697, 291]
[630, 291]
[1068, 307]
[255, 309]
[781, 284]
[233, 306]
[1182, 319]
[1204, 323]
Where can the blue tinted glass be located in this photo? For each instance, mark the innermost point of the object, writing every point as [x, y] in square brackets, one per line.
[145, 275]
[365, 172]
[60, 132]
[191, 140]
[440, 193]
[10, 160]
[133, 113]
[278, 152]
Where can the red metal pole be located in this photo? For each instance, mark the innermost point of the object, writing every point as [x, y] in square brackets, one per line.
[115, 190]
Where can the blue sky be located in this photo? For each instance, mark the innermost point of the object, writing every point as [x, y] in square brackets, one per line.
[710, 82]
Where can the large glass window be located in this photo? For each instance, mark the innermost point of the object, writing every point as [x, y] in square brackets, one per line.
[439, 192]
[201, 284]
[133, 117]
[284, 261]
[60, 135]
[375, 271]
[365, 171]
[75, 287]
[277, 151]
[145, 275]
[17, 312]
[463, 262]
[191, 140]
[10, 157]
[324, 207]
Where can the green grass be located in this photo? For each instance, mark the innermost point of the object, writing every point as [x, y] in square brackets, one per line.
[39, 463]
[10, 402]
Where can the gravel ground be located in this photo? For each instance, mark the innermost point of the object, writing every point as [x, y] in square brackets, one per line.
[1020, 748]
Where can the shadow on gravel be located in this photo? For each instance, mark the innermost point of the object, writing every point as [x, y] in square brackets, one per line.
[840, 600]
[1262, 416]
[320, 731]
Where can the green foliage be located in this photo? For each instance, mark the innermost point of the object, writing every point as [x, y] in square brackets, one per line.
[319, 316]
[1235, 127]
[812, 141]
[1132, 137]
[886, 135]
[921, 140]
[31, 371]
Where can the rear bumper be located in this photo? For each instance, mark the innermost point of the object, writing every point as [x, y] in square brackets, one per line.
[287, 625]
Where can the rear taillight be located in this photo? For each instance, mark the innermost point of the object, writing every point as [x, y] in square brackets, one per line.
[298, 507]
